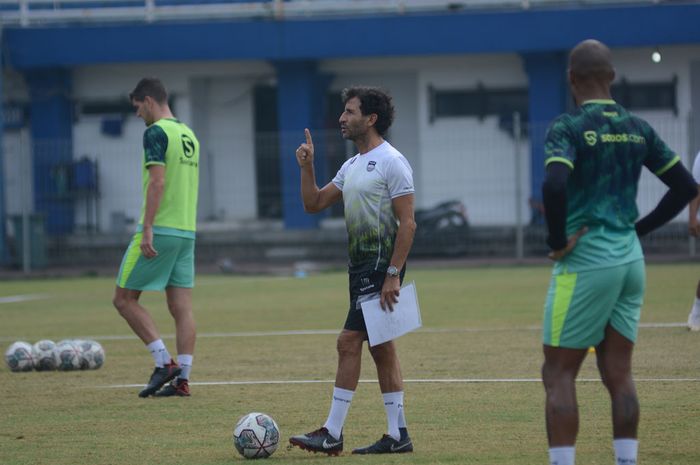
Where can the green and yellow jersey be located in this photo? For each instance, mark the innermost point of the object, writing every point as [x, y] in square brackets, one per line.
[606, 148]
[170, 143]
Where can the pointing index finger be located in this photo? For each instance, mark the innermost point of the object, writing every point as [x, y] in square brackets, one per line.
[308, 137]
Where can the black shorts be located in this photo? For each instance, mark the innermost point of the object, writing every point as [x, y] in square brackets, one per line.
[364, 285]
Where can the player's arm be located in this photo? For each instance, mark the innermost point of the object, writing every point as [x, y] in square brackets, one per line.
[314, 199]
[155, 145]
[554, 199]
[403, 207]
[681, 190]
[154, 194]
[560, 156]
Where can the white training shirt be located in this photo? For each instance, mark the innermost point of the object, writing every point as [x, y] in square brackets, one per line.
[696, 168]
[369, 182]
[696, 172]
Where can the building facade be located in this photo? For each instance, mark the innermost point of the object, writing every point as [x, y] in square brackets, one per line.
[474, 89]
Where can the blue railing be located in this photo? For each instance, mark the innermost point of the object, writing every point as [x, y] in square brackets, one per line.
[37, 12]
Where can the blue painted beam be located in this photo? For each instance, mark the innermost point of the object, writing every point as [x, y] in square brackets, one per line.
[535, 30]
[51, 113]
[548, 91]
[300, 92]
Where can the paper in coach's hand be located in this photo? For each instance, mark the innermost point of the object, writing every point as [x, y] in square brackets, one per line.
[383, 325]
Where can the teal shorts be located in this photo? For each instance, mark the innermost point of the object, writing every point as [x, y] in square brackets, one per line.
[580, 305]
[172, 267]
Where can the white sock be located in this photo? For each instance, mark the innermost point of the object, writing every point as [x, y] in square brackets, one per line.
[562, 455]
[160, 354]
[339, 410]
[696, 307]
[402, 419]
[185, 362]
[393, 404]
[625, 451]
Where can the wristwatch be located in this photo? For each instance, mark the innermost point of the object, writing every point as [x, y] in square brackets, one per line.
[392, 271]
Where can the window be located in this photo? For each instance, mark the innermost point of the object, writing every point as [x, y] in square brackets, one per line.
[480, 102]
[646, 96]
[119, 106]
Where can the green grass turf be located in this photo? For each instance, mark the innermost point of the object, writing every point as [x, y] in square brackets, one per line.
[490, 315]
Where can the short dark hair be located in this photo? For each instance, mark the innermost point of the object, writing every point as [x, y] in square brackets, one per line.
[591, 60]
[372, 100]
[149, 87]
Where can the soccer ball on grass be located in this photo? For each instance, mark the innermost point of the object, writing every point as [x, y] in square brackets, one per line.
[256, 435]
[19, 356]
[45, 355]
[92, 355]
[69, 355]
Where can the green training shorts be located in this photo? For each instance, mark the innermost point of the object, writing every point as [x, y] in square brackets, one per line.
[580, 305]
[173, 266]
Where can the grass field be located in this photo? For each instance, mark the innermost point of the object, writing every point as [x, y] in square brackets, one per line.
[480, 331]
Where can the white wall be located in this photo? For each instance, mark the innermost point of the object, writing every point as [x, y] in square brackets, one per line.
[17, 157]
[223, 100]
[98, 81]
[16, 153]
[228, 182]
[636, 66]
[119, 162]
[466, 158]
[452, 158]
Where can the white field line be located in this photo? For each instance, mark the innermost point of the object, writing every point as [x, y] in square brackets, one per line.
[438, 380]
[304, 332]
[239, 280]
[11, 299]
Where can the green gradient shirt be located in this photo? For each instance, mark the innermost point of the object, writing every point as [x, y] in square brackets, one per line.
[606, 148]
[172, 144]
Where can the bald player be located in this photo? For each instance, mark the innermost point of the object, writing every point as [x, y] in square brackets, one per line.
[594, 157]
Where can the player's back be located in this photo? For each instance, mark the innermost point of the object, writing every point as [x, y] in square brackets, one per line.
[178, 150]
[611, 148]
[606, 148]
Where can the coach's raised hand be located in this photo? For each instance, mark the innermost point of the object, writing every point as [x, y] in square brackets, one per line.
[305, 152]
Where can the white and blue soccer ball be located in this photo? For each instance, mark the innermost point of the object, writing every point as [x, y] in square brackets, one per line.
[19, 356]
[92, 354]
[69, 355]
[45, 355]
[256, 436]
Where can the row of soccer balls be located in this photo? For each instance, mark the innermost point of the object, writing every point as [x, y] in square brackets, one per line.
[46, 355]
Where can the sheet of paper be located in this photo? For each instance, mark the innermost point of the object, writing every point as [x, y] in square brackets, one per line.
[383, 325]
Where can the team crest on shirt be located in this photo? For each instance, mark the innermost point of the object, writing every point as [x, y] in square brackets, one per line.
[371, 165]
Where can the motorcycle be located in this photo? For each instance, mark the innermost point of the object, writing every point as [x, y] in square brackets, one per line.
[441, 230]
